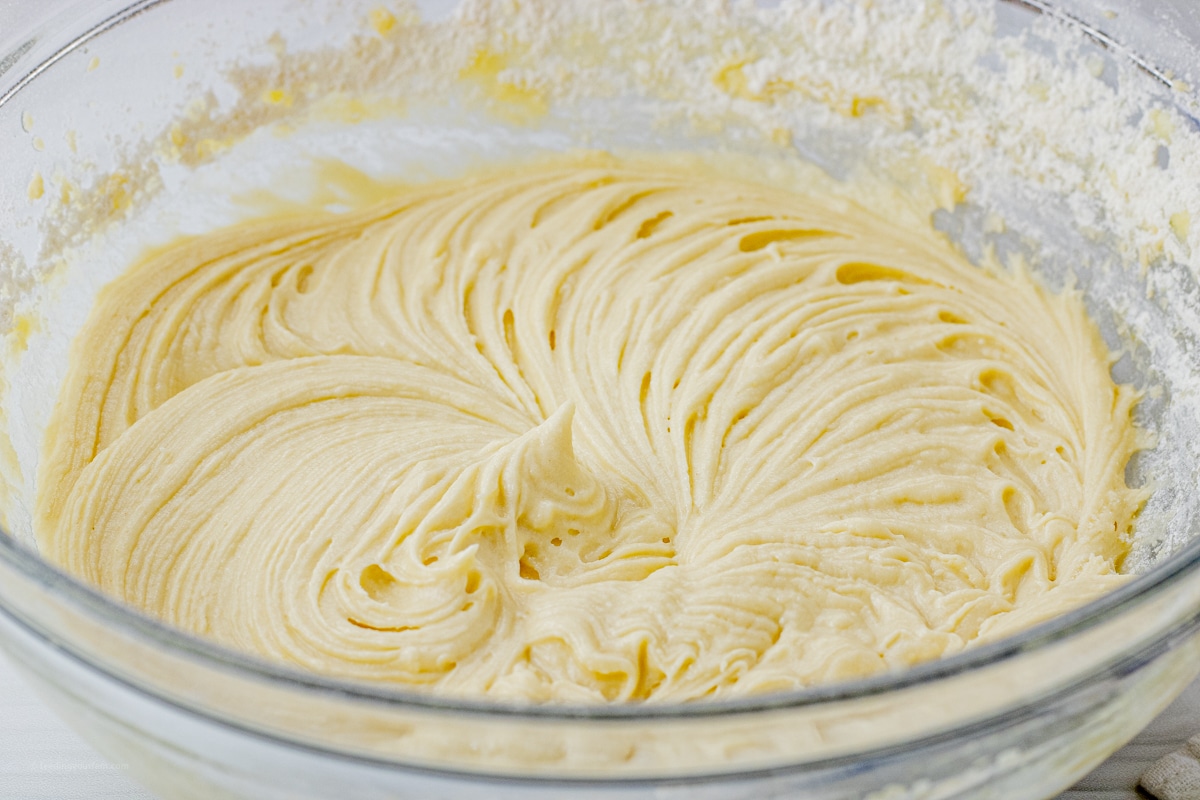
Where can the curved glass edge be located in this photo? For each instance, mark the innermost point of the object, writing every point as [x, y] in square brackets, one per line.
[1118, 669]
[1182, 566]
[1105, 40]
[132, 621]
[12, 59]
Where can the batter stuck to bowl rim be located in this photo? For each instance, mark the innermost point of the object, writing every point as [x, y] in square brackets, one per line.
[590, 432]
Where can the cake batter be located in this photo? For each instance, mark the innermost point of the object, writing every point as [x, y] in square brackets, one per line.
[589, 432]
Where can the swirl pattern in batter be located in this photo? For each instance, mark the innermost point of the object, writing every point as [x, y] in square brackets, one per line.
[592, 432]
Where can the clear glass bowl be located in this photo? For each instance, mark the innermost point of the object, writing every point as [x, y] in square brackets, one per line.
[1021, 718]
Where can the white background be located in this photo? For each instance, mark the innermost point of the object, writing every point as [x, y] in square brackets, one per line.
[41, 759]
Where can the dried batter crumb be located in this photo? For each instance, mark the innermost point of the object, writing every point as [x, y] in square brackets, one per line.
[67, 190]
[382, 20]
[1181, 225]
[24, 326]
[278, 97]
[37, 187]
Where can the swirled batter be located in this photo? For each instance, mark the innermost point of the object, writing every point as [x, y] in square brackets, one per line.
[591, 432]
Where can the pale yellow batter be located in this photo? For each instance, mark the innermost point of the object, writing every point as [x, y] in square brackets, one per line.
[585, 433]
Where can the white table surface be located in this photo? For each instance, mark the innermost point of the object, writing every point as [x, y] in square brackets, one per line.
[41, 759]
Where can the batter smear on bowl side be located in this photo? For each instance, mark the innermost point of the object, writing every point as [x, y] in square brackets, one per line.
[590, 432]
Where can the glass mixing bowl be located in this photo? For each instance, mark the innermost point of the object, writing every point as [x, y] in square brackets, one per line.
[83, 83]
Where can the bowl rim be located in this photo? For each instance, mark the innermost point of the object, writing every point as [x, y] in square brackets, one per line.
[849, 761]
[131, 621]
